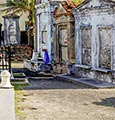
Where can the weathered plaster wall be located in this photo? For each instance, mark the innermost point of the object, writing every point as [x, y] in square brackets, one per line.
[11, 30]
[95, 40]
[43, 28]
[22, 20]
[64, 49]
[45, 36]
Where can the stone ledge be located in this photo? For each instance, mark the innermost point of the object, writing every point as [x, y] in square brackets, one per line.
[102, 70]
[93, 83]
[83, 66]
[19, 81]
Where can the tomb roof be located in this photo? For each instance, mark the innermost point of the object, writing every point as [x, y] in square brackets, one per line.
[67, 6]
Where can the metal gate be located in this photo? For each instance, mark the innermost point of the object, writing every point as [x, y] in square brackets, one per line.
[5, 58]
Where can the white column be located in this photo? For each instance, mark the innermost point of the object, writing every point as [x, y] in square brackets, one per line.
[7, 109]
[113, 46]
[37, 33]
[36, 41]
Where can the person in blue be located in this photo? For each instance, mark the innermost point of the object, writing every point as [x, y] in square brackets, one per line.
[47, 66]
[46, 57]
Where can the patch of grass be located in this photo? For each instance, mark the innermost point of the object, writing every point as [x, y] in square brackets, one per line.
[18, 98]
[18, 74]
[19, 86]
[19, 80]
[18, 107]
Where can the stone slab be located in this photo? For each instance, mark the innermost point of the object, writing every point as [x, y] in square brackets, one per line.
[88, 81]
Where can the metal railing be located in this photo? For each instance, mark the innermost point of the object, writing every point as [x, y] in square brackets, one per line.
[5, 58]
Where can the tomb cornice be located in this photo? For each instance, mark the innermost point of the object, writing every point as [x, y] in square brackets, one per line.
[93, 10]
[42, 10]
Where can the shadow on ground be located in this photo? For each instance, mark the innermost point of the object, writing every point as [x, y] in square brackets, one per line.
[53, 83]
[48, 81]
[29, 73]
[109, 102]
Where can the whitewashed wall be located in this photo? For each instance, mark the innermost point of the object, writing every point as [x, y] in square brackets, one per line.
[96, 16]
[44, 20]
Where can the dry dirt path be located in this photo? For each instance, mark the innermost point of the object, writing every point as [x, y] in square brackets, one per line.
[61, 100]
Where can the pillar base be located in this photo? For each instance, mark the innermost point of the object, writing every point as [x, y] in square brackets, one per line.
[34, 63]
[34, 56]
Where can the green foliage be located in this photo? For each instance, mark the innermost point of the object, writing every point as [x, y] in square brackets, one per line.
[76, 2]
[19, 87]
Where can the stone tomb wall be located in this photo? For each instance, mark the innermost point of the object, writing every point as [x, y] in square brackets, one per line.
[103, 71]
[105, 47]
[95, 42]
[86, 45]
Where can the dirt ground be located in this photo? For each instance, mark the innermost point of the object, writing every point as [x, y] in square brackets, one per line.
[60, 100]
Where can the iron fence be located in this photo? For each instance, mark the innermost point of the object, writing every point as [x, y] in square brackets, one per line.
[5, 58]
